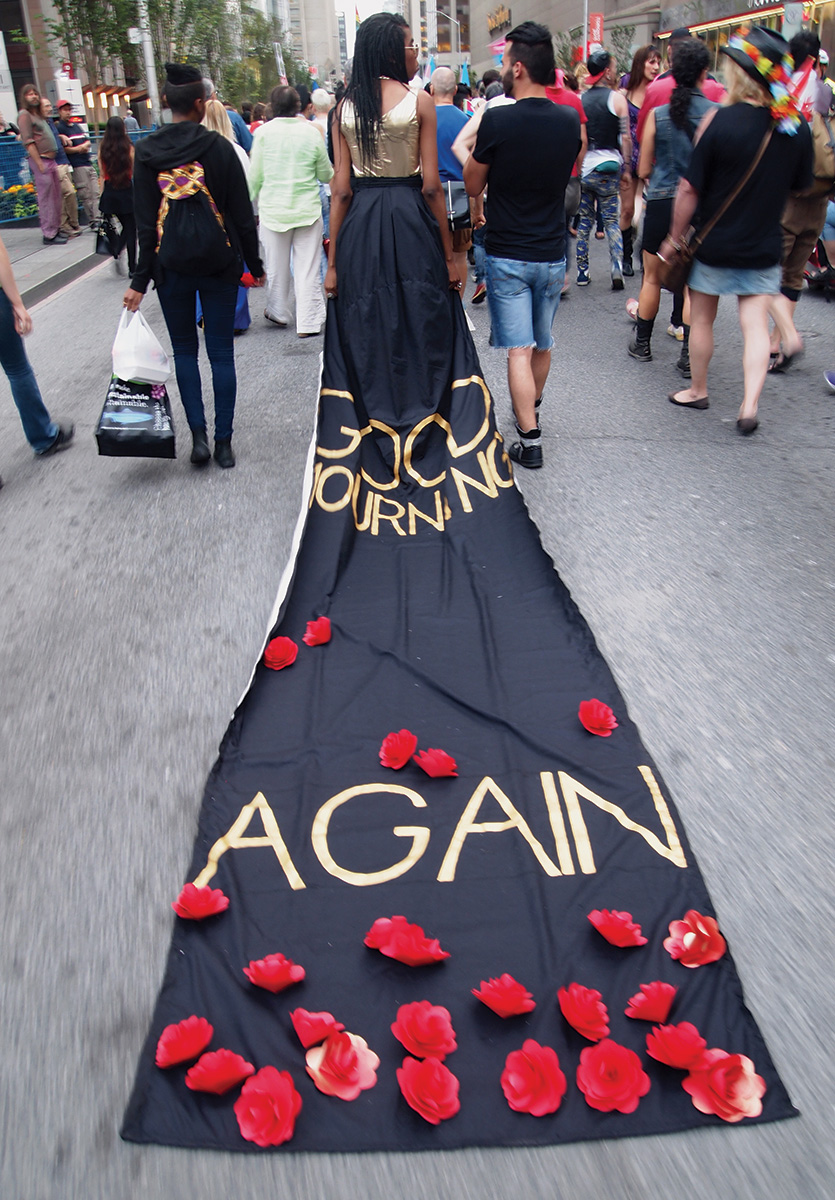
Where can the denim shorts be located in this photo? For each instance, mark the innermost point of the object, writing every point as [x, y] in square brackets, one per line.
[523, 298]
[734, 281]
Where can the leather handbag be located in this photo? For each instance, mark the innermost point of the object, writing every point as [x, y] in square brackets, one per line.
[674, 271]
[458, 205]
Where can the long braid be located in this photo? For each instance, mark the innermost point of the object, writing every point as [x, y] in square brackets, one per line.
[379, 50]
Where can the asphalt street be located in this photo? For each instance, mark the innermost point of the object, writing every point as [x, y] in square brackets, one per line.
[135, 600]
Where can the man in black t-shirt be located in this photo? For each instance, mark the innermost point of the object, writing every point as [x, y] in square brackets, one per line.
[78, 152]
[524, 153]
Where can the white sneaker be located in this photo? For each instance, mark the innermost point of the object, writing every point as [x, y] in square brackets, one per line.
[676, 331]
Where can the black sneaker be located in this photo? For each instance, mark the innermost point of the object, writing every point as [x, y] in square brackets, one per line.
[617, 280]
[683, 363]
[223, 452]
[526, 456]
[638, 349]
[62, 440]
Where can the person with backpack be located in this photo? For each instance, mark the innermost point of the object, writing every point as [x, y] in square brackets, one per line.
[196, 229]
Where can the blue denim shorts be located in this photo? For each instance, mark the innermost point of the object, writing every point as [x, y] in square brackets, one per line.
[523, 298]
[734, 281]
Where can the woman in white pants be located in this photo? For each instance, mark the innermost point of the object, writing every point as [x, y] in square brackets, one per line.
[288, 161]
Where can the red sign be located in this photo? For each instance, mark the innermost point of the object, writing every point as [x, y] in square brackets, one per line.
[595, 29]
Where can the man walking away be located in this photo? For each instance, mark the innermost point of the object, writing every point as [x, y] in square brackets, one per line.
[451, 120]
[526, 151]
[78, 152]
[41, 145]
[606, 165]
[189, 178]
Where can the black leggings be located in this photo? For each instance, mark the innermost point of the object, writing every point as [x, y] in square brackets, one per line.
[127, 237]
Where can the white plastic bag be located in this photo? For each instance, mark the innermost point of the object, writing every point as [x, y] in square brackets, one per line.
[137, 354]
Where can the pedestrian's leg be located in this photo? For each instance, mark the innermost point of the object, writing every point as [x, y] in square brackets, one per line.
[46, 187]
[276, 247]
[753, 319]
[84, 179]
[522, 386]
[610, 208]
[219, 300]
[703, 310]
[177, 298]
[69, 201]
[586, 214]
[307, 280]
[40, 430]
[129, 231]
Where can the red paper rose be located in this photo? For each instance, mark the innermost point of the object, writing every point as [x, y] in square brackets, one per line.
[618, 928]
[532, 1080]
[318, 632]
[584, 1010]
[342, 1066]
[597, 717]
[726, 1085]
[396, 938]
[397, 749]
[267, 1107]
[280, 653]
[217, 1072]
[611, 1078]
[425, 1030]
[429, 1088]
[187, 1039]
[653, 1002]
[679, 1046]
[436, 763]
[312, 1028]
[505, 996]
[197, 903]
[274, 973]
[695, 940]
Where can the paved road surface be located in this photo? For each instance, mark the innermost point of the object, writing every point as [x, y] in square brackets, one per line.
[135, 595]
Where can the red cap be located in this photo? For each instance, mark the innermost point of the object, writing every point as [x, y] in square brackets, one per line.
[64, 104]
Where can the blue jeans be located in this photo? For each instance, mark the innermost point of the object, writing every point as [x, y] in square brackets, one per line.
[523, 298]
[41, 431]
[177, 296]
[480, 254]
[605, 187]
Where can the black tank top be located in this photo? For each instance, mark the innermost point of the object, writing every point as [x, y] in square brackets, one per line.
[603, 126]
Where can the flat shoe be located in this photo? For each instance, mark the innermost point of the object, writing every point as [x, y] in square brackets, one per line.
[275, 321]
[781, 364]
[702, 402]
[746, 425]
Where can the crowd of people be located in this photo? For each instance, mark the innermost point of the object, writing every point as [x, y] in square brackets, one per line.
[217, 202]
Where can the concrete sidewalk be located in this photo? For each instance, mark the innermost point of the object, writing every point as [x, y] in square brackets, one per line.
[41, 270]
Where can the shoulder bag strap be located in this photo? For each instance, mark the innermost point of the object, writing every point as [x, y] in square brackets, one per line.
[723, 208]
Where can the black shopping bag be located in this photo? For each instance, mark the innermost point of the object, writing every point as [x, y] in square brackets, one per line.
[107, 239]
[136, 421]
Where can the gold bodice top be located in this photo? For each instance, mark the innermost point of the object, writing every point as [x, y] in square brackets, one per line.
[398, 147]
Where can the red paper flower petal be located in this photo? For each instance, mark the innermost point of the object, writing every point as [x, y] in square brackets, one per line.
[195, 904]
[425, 1030]
[183, 1041]
[318, 632]
[397, 749]
[274, 973]
[726, 1085]
[218, 1072]
[280, 653]
[597, 717]
[396, 938]
[611, 1077]
[313, 1027]
[267, 1107]
[505, 996]
[436, 763]
[342, 1066]
[680, 1046]
[430, 1088]
[584, 1010]
[532, 1080]
[653, 1002]
[695, 940]
[618, 928]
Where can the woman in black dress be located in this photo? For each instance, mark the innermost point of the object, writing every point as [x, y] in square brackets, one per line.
[116, 180]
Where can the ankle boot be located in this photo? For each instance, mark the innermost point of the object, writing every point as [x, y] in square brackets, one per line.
[628, 236]
[683, 364]
[200, 453]
[223, 452]
[639, 343]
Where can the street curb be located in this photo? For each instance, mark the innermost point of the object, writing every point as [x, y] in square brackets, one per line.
[40, 291]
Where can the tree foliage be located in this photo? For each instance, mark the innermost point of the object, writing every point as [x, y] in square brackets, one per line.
[566, 46]
[620, 40]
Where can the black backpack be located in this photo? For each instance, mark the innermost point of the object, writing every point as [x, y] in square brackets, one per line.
[191, 236]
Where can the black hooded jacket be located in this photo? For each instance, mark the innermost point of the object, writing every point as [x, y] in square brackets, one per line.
[172, 146]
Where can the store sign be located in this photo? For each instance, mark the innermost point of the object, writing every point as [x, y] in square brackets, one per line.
[595, 29]
[498, 19]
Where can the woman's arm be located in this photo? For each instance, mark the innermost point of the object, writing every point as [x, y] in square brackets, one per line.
[341, 195]
[22, 320]
[646, 154]
[433, 193]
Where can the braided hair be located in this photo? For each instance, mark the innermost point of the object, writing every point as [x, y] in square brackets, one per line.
[690, 60]
[380, 49]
